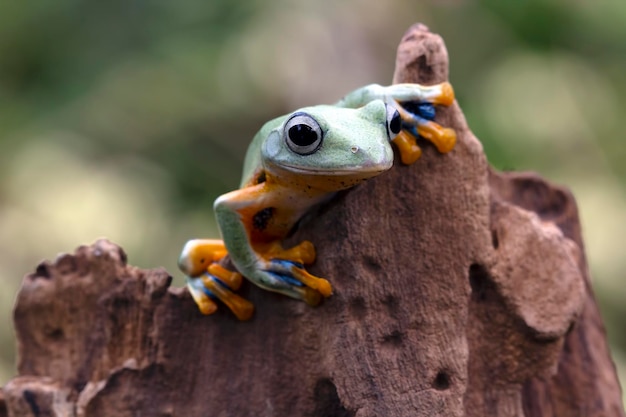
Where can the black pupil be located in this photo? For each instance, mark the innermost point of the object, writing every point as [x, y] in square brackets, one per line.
[396, 123]
[302, 135]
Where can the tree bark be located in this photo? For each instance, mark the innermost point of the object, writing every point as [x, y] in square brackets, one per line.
[459, 291]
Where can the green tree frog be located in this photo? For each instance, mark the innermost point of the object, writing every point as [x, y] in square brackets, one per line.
[294, 163]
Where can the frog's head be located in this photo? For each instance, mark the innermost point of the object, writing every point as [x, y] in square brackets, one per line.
[333, 148]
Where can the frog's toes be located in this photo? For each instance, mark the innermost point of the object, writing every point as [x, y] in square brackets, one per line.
[320, 284]
[208, 288]
[309, 296]
[231, 278]
[204, 301]
[294, 275]
[407, 147]
[303, 253]
[443, 138]
[446, 95]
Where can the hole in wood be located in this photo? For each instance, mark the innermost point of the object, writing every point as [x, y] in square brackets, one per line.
[394, 338]
[123, 256]
[42, 271]
[55, 334]
[372, 264]
[3, 408]
[391, 303]
[327, 402]
[31, 400]
[358, 307]
[480, 282]
[494, 239]
[442, 381]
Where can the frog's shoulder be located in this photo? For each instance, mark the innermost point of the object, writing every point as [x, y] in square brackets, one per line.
[252, 162]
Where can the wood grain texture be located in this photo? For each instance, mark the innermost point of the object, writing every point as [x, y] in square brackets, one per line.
[459, 291]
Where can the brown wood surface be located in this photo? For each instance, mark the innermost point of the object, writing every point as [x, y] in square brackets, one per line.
[459, 291]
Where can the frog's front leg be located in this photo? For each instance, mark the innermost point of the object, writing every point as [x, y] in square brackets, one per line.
[438, 94]
[415, 103]
[253, 220]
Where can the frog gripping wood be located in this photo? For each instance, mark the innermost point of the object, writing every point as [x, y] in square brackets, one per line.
[293, 164]
[457, 291]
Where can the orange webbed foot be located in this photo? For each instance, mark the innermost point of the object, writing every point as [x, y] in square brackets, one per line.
[240, 307]
[443, 138]
[207, 289]
[303, 253]
[407, 147]
[287, 266]
[208, 281]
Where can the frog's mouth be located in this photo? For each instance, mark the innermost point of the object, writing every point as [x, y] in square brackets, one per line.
[364, 171]
[326, 179]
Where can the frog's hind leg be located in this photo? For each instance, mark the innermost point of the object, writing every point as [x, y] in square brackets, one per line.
[438, 94]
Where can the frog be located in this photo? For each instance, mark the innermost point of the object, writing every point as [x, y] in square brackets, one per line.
[293, 164]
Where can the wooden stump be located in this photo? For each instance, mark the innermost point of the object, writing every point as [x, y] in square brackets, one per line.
[459, 291]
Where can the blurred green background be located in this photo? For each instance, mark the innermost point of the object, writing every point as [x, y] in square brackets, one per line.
[126, 119]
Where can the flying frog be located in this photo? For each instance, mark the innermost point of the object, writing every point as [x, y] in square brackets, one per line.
[294, 163]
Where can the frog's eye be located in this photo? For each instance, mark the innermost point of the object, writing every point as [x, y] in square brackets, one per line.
[303, 134]
[394, 122]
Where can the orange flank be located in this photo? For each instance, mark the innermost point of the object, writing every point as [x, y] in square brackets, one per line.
[248, 215]
[241, 307]
[259, 221]
[407, 146]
